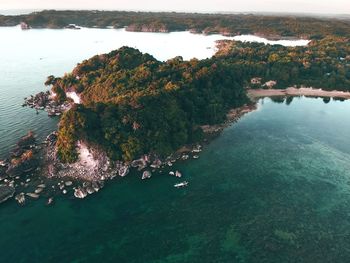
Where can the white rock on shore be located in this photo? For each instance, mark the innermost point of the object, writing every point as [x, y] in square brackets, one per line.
[146, 175]
[80, 193]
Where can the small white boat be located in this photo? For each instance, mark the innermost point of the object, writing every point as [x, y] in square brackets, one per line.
[182, 184]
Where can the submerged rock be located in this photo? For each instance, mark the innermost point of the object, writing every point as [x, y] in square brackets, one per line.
[6, 192]
[27, 140]
[24, 164]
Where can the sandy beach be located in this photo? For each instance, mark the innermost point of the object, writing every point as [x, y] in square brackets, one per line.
[260, 93]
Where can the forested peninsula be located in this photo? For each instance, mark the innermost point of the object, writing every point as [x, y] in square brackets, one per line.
[131, 104]
[134, 104]
[127, 109]
[270, 26]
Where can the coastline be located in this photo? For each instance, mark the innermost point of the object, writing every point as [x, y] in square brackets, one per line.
[255, 94]
[232, 116]
[94, 168]
[226, 35]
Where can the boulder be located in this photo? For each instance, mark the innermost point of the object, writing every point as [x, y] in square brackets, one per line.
[20, 198]
[68, 183]
[33, 195]
[146, 175]
[80, 193]
[178, 174]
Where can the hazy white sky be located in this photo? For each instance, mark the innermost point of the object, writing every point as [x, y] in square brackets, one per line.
[315, 6]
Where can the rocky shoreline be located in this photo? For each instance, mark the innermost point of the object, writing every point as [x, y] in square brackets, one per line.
[232, 116]
[33, 170]
[94, 166]
[17, 173]
[46, 101]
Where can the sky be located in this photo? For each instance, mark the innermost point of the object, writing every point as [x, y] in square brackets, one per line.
[294, 6]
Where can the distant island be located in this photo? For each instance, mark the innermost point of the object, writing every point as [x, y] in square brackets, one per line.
[269, 26]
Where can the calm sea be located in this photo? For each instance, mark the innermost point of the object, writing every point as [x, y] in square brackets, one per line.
[14, 12]
[274, 187]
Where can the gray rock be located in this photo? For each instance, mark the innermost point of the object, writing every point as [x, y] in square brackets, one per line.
[146, 175]
[95, 186]
[90, 190]
[68, 183]
[38, 190]
[33, 195]
[20, 198]
[80, 193]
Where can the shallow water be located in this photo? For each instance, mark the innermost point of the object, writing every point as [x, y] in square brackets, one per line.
[274, 187]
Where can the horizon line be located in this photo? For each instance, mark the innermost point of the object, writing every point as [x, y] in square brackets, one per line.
[33, 10]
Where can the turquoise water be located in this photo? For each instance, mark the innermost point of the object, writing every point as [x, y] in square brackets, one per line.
[274, 187]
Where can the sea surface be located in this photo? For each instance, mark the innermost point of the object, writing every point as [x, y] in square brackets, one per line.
[273, 187]
[15, 12]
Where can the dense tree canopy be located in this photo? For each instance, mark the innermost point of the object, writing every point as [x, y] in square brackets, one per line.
[133, 104]
[323, 63]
